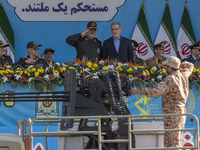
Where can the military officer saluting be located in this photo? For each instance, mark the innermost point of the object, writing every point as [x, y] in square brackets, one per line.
[5, 60]
[32, 58]
[87, 46]
[195, 57]
[158, 57]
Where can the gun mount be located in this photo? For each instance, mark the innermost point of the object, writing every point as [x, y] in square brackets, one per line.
[97, 97]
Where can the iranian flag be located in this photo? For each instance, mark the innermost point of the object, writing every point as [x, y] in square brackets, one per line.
[6, 33]
[185, 35]
[142, 36]
[166, 33]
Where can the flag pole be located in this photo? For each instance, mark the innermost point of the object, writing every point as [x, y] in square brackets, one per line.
[143, 3]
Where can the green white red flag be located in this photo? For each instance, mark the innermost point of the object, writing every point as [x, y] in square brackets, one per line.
[166, 33]
[185, 35]
[142, 36]
[6, 33]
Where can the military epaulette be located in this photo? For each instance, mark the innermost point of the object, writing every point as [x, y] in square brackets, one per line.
[24, 57]
[98, 39]
[40, 58]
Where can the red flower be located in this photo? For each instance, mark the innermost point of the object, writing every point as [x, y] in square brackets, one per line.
[193, 76]
[9, 75]
[147, 77]
[138, 75]
[51, 76]
[63, 74]
[23, 80]
[38, 79]
[123, 75]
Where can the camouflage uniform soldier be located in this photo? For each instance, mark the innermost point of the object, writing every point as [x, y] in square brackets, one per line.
[5, 60]
[174, 91]
[32, 58]
[158, 57]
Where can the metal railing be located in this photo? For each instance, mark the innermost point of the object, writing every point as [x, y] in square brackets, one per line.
[22, 129]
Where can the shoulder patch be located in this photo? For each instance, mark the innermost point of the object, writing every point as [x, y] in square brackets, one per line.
[40, 57]
[98, 39]
[24, 57]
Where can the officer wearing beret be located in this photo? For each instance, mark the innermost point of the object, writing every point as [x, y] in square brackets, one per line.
[87, 46]
[48, 55]
[158, 57]
[5, 60]
[32, 58]
[195, 57]
[137, 60]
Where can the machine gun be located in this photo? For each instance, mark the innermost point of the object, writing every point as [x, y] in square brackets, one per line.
[102, 96]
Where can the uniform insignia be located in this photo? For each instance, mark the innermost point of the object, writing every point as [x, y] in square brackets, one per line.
[47, 104]
[40, 57]
[34, 43]
[24, 57]
[98, 39]
[93, 24]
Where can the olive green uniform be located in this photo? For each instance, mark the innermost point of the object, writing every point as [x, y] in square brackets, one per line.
[39, 62]
[5, 60]
[91, 49]
[139, 61]
[154, 61]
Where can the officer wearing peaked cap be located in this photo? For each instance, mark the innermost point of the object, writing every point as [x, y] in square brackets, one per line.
[48, 55]
[5, 60]
[137, 60]
[158, 57]
[195, 57]
[32, 58]
[86, 44]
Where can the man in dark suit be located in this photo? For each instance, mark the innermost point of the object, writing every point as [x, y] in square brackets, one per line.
[117, 47]
[195, 57]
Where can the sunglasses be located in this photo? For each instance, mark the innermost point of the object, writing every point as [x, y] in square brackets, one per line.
[93, 29]
[35, 48]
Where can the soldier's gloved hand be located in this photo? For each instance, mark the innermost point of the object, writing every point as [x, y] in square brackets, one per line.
[30, 61]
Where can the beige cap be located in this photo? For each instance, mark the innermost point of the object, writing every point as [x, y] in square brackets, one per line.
[173, 62]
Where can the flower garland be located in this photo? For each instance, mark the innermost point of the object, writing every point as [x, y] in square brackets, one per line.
[49, 78]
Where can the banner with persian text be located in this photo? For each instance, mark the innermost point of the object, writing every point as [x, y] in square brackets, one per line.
[68, 10]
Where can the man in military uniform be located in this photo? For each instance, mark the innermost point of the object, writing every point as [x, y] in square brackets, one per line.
[137, 60]
[87, 46]
[5, 60]
[195, 57]
[48, 55]
[174, 91]
[158, 57]
[32, 58]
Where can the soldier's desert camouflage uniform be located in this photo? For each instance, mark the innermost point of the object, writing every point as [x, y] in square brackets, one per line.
[174, 91]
